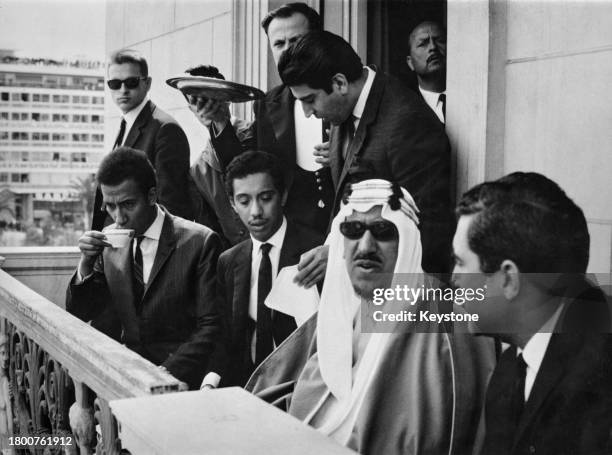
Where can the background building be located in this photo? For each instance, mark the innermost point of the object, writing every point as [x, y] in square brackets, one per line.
[51, 141]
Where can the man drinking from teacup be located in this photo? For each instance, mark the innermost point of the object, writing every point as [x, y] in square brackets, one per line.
[148, 279]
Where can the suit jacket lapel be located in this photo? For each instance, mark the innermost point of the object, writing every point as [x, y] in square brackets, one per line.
[139, 124]
[118, 273]
[167, 243]
[552, 369]
[290, 250]
[242, 284]
[369, 115]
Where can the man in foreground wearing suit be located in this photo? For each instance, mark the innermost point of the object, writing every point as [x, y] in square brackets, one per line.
[528, 243]
[157, 294]
[245, 273]
[146, 127]
[427, 58]
[380, 129]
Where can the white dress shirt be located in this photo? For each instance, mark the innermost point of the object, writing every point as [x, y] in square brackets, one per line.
[433, 101]
[277, 242]
[363, 96]
[130, 118]
[308, 133]
[149, 244]
[535, 349]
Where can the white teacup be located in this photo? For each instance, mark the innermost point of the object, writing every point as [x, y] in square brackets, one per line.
[119, 238]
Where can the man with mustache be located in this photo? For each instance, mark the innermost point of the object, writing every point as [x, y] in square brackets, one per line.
[397, 392]
[245, 273]
[427, 58]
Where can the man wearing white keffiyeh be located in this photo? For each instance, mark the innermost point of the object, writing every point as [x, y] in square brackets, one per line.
[378, 393]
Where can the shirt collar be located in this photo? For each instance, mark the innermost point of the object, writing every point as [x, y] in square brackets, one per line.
[276, 240]
[154, 231]
[131, 116]
[363, 96]
[432, 98]
[534, 350]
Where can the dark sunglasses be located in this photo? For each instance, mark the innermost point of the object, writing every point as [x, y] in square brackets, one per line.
[130, 82]
[381, 230]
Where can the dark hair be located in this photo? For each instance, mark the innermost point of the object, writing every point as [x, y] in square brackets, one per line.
[130, 56]
[288, 10]
[254, 162]
[315, 58]
[527, 218]
[206, 71]
[125, 163]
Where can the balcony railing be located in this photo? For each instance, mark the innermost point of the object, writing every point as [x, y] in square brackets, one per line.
[59, 374]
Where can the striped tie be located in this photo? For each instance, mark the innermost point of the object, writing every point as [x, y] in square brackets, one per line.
[137, 277]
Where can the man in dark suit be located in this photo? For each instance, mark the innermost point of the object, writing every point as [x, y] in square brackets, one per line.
[281, 128]
[155, 295]
[523, 239]
[379, 130]
[146, 127]
[427, 58]
[245, 273]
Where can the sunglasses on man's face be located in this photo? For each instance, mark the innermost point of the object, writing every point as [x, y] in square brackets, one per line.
[130, 82]
[381, 230]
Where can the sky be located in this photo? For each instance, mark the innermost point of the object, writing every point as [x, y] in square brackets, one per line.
[59, 29]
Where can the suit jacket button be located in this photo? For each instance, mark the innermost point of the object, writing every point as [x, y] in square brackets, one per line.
[532, 449]
[320, 188]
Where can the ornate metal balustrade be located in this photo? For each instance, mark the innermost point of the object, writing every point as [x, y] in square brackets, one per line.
[58, 374]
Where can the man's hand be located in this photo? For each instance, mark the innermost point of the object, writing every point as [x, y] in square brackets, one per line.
[312, 266]
[210, 111]
[321, 151]
[91, 245]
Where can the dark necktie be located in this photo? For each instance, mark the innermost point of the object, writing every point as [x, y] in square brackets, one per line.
[442, 99]
[264, 341]
[349, 132]
[504, 403]
[119, 140]
[137, 276]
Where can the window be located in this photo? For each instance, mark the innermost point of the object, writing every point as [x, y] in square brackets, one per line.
[56, 117]
[36, 97]
[56, 98]
[15, 136]
[44, 136]
[3, 177]
[24, 116]
[4, 96]
[24, 178]
[14, 178]
[25, 156]
[4, 115]
[76, 99]
[4, 135]
[85, 99]
[36, 116]
[25, 97]
[36, 136]
[15, 116]
[45, 98]
[15, 96]
[44, 117]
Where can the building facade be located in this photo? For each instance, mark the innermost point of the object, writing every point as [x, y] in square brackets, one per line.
[51, 137]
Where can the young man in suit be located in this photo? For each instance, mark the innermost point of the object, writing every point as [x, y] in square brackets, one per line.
[156, 295]
[146, 127]
[528, 243]
[245, 273]
[427, 58]
[380, 130]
